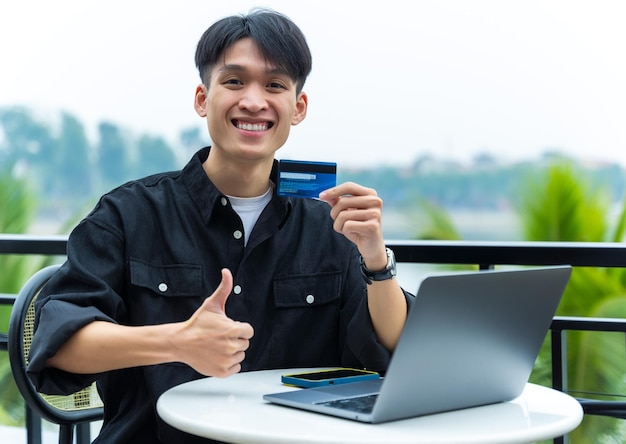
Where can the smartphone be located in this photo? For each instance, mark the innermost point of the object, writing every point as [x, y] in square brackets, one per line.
[328, 377]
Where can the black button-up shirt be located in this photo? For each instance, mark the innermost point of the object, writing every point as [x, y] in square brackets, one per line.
[151, 252]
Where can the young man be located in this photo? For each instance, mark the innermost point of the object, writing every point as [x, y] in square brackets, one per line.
[206, 271]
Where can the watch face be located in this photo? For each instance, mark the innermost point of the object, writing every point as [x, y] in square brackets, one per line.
[391, 263]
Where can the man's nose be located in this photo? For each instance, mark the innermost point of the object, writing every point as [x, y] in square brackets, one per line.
[253, 98]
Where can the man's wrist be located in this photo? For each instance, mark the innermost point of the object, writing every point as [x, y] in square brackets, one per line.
[388, 272]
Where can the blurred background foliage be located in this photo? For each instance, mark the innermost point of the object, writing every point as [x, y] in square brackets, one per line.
[559, 203]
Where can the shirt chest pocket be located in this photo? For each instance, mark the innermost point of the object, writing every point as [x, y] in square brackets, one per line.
[174, 280]
[301, 291]
[306, 307]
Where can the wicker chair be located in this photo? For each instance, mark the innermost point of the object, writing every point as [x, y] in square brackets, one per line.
[70, 412]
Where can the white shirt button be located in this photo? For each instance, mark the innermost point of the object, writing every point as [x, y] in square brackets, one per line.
[237, 289]
[237, 234]
[224, 201]
[163, 287]
[310, 299]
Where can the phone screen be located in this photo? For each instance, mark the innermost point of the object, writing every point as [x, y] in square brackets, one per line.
[331, 374]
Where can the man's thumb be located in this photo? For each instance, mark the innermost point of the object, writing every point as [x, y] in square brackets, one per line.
[217, 301]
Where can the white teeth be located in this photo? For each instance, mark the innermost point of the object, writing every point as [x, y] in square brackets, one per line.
[252, 126]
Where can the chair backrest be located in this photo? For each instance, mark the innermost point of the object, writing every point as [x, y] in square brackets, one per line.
[82, 406]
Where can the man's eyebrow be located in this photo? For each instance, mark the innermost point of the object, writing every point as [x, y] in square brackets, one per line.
[232, 67]
[278, 72]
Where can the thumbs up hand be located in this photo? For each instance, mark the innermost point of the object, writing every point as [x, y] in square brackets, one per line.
[211, 342]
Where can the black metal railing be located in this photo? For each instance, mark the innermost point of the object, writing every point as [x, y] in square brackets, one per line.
[484, 254]
[487, 254]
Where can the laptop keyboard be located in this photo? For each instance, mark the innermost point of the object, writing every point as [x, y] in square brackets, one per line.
[360, 404]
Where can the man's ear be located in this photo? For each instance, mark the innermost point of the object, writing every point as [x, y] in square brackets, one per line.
[200, 99]
[302, 103]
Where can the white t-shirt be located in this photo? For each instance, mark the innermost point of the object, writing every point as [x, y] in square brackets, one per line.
[249, 209]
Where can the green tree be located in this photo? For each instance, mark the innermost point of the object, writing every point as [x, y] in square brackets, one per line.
[28, 144]
[72, 160]
[113, 155]
[155, 155]
[18, 207]
[192, 139]
[435, 223]
[561, 204]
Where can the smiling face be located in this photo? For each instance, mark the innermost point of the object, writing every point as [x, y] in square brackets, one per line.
[250, 105]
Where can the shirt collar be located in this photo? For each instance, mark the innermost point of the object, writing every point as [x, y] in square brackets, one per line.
[206, 196]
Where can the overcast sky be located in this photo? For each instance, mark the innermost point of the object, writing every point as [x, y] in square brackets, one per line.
[391, 79]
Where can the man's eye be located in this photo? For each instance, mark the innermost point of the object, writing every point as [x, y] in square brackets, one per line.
[276, 85]
[232, 82]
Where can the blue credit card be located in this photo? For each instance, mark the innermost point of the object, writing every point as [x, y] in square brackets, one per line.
[305, 179]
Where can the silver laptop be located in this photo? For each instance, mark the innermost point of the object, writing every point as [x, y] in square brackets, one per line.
[470, 339]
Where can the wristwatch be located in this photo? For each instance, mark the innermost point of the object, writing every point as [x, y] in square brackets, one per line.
[387, 273]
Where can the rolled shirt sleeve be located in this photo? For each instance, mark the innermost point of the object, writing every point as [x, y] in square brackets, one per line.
[59, 320]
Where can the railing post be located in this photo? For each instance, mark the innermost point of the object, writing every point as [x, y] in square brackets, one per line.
[559, 359]
[558, 345]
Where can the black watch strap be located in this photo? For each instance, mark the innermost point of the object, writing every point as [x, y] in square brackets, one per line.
[387, 273]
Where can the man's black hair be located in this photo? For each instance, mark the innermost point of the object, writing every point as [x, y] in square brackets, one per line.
[280, 41]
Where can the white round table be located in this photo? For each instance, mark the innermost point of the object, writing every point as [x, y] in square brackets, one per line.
[232, 410]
